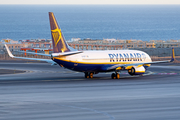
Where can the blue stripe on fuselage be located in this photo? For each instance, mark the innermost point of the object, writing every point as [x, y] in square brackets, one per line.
[85, 67]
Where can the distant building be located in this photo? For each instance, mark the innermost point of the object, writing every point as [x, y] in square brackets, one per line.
[110, 40]
[9, 41]
[157, 41]
[74, 39]
[41, 44]
[88, 44]
[14, 47]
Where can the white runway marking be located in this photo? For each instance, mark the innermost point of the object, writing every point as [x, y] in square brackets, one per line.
[92, 110]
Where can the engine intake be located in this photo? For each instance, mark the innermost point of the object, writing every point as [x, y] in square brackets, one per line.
[135, 70]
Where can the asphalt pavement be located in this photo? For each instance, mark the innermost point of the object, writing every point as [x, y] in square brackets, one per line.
[46, 92]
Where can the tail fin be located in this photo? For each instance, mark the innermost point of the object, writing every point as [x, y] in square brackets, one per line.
[173, 55]
[59, 43]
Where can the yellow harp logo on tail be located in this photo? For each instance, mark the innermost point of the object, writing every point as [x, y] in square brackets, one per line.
[56, 33]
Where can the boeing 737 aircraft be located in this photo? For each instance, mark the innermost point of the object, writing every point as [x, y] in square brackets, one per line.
[92, 62]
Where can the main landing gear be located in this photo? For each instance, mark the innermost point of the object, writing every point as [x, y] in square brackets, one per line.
[89, 74]
[115, 75]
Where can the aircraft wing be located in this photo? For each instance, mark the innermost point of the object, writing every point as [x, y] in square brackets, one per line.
[45, 60]
[66, 53]
[54, 54]
[136, 64]
[35, 53]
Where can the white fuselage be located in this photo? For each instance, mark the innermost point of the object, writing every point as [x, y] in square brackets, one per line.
[101, 61]
[110, 57]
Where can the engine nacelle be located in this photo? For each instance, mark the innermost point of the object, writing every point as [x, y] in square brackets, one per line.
[135, 70]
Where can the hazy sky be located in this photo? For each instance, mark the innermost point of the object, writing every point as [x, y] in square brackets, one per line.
[89, 1]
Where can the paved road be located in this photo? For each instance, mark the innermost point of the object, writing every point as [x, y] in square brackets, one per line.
[47, 92]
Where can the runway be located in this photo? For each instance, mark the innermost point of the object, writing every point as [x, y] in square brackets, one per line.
[46, 92]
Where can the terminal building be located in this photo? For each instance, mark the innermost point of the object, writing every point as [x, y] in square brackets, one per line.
[155, 48]
[89, 44]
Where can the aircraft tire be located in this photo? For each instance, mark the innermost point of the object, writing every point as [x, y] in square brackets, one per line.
[86, 75]
[131, 71]
[113, 76]
[91, 75]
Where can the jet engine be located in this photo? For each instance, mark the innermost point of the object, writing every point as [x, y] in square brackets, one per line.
[135, 70]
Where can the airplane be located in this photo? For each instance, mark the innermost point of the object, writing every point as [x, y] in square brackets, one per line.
[92, 62]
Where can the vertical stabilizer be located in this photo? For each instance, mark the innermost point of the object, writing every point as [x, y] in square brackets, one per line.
[59, 43]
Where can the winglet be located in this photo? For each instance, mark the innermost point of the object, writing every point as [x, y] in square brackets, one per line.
[9, 52]
[173, 55]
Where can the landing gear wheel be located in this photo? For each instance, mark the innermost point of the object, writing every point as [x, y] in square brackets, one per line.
[91, 75]
[131, 71]
[86, 75]
[113, 76]
[117, 75]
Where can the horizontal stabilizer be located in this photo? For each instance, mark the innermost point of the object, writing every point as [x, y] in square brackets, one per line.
[66, 53]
